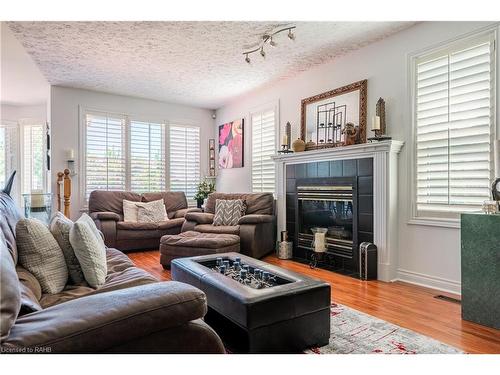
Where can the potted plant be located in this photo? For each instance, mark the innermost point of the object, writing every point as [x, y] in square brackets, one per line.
[204, 188]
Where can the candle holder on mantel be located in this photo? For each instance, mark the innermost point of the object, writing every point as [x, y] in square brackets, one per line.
[378, 123]
[285, 144]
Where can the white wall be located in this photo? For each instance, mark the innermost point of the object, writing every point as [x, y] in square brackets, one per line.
[64, 109]
[20, 113]
[21, 82]
[427, 255]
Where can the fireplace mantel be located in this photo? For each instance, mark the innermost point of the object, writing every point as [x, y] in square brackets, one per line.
[385, 192]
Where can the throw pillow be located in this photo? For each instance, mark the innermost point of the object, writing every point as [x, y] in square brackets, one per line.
[90, 251]
[152, 212]
[41, 255]
[87, 219]
[60, 226]
[129, 211]
[228, 212]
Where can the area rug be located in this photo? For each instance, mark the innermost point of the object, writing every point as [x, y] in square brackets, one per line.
[353, 332]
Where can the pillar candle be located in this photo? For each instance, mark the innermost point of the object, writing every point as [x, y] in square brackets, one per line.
[319, 242]
[70, 154]
[285, 140]
[376, 123]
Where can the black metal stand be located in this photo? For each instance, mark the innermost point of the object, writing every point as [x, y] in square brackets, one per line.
[317, 257]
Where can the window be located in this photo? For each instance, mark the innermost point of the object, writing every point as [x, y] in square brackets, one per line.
[105, 153]
[263, 147]
[184, 159]
[122, 153]
[147, 156]
[454, 106]
[8, 152]
[33, 163]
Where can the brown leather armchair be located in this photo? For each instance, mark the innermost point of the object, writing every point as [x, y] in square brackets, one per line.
[257, 228]
[106, 208]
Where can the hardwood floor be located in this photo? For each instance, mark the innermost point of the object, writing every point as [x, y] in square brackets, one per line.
[406, 305]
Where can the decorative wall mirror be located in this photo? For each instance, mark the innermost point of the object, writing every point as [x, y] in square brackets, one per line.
[324, 117]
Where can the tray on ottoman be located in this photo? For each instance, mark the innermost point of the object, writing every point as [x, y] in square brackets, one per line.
[281, 311]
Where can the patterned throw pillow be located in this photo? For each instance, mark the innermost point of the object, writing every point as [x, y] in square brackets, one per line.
[41, 255]
[131, 211]
[228, 212]
[60, 226]
[90, 250]
[151, 212]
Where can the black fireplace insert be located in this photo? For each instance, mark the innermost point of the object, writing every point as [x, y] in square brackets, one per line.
[329, 203]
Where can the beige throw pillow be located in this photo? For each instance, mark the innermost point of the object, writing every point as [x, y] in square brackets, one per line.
[129, 211]
[60, 226]
[90, 250]
[152, 212]
[148, 212]
[41, 255]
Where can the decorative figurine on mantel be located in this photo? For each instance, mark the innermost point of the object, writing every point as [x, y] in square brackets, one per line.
[351, 134]
[378, 122]
[285, 144]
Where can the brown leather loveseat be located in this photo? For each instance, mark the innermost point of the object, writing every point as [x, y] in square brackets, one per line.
[106, 208]
[131, 313]
[257, 228]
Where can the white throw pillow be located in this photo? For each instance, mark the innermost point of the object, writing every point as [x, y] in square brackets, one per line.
[41, 255]
[131, 211]
[87, 219]
[90, 251]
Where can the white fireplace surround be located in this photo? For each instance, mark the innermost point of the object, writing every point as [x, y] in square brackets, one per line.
[385, 192]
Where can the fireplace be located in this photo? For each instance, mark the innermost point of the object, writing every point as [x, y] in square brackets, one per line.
[372, 168]
[329, 203]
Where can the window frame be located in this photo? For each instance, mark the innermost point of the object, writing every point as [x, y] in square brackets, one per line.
[490, 32]
[274, 106]
[181, 124]
[130, 117]
[22, 125]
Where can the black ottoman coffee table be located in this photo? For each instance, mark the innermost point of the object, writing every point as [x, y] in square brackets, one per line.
[269, 311]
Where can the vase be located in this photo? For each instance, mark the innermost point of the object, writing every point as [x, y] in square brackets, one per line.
[199, 203]
[298, 145]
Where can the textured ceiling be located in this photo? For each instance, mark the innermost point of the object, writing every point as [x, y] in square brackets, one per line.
[194, 63]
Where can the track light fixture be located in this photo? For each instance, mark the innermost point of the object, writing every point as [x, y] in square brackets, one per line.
[268, 38]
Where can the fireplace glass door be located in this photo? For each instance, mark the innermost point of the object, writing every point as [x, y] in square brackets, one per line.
[328, 207]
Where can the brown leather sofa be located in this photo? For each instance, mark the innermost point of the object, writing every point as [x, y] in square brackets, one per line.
[257, 228]
[106, 208]
[131, 313]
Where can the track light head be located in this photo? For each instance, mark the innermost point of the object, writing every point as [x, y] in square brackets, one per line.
[262, 53]
[272, 43]
[291, 35]
[247, 59]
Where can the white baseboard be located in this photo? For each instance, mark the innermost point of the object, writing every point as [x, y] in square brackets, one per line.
[429, 281]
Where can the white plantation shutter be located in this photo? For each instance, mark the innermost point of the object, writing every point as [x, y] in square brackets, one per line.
[147, 156]
[184, 159]
[105, 167]
[454, 106]
[263, 147]
[8, 152]
[33, 158]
